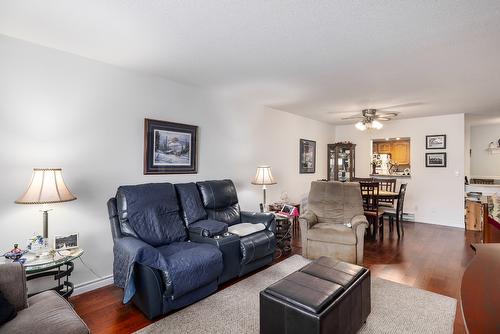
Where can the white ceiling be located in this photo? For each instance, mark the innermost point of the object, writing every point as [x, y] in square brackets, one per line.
[321, 59]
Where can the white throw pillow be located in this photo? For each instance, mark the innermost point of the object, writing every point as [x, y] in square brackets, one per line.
[245, 229]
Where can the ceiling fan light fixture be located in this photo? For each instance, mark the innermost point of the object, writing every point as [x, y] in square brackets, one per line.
[360, 126]
[377, 125]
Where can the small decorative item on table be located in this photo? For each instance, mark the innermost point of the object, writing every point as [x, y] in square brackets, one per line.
[16, 254]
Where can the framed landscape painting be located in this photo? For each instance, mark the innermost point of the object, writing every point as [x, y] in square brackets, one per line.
[307, 162]
[435, 142]
[169, 148]
[435, 159]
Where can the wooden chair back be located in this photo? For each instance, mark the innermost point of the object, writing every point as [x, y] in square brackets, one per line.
[369, 192]
[401, 201]
[387, 185]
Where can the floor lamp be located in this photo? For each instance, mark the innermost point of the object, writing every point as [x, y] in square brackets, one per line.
[264, 177]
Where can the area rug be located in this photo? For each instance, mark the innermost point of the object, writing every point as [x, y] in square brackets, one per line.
[396, 308]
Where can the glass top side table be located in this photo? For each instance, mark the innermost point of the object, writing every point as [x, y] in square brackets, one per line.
[59, 265]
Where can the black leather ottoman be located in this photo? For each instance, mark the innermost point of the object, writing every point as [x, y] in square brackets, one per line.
[326, 296]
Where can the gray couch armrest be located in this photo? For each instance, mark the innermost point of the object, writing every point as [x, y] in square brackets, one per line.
[307, 219]
[359, 221]
[259, 217]
[13, 285]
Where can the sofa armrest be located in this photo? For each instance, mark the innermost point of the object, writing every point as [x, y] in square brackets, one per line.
[13, 285]
[128, 252]
[259, 217]
[308, 219]
[207, 228]
[359, 221]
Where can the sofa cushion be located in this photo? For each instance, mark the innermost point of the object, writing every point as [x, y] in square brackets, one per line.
[220, 200]
[191, 204]
[244, 229]
[190, 265]
[152, 212]
[332, 233]
[208, 227]
[47, 313]
[7, 310]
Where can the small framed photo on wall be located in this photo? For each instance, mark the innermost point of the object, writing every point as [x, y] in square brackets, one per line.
[169, 148]
[435, 159]
[307, 163]
[435, 142]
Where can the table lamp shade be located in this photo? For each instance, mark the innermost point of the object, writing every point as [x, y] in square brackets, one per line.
[46, 186]
[264, 176]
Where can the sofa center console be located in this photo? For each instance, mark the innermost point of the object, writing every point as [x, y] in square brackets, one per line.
[229, 245]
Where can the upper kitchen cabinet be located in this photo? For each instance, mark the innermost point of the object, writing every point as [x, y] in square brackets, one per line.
[391, 156]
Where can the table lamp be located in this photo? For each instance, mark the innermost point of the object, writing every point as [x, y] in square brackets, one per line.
[264, 177]
[46, 187]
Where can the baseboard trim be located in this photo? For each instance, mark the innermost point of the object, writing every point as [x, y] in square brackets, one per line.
[92, 285]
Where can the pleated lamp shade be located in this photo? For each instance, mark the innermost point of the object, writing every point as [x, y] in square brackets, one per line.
[46, 186]
[263, 176]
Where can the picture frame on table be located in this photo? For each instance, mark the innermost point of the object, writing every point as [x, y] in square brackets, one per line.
[307, 156]
[63, 242]
[435, 142]
[437, 159]
[169, 148]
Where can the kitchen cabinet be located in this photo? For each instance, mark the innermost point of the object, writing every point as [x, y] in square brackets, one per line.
[400, 152]
[384, 148]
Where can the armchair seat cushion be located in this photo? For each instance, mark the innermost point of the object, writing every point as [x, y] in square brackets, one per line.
[332, 233]
[190, 266]
[244, 229]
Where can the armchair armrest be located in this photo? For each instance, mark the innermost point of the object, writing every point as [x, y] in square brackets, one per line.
[359, 220]
[308, 219]
[259, 217]
[13, 285]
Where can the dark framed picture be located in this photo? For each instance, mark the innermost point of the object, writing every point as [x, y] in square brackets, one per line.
[307, 163]
[435, 159]
[169, 148]
[435, 142]
[66, 241]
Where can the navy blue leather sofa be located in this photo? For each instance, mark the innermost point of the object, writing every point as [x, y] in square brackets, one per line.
[183, 240]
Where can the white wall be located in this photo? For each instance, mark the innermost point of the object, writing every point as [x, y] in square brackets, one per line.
[434, 195]
[483, 163]
[61, 110]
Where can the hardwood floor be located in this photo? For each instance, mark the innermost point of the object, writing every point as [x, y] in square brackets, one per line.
[429, 257]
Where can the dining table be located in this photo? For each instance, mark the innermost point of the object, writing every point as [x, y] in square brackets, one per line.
[384, 194]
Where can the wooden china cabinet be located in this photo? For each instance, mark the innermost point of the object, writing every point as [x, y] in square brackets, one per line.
[341, 157]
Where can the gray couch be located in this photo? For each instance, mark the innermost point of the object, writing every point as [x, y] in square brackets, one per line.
[334, 223]
[44, 313]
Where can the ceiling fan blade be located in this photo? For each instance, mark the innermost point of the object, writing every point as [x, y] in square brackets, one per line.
[404, 105]
[378, 118]
[387, 114]
[352, 117]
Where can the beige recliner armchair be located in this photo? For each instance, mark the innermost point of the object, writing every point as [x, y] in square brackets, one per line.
[334, 223]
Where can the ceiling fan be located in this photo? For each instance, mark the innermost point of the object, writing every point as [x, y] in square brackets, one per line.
[370, 119]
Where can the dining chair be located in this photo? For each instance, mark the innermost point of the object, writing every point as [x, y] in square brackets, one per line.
[370, 192]
[387, 185]
[398, 212]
